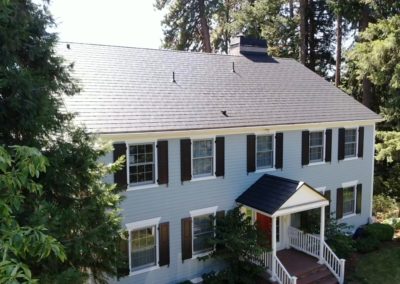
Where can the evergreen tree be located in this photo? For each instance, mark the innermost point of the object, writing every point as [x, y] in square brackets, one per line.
[187, 23]
[77, 208]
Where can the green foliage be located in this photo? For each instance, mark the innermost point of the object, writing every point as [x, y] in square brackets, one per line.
[70, 201]
[21, 242]
[367, 244]
[382, 232]
[384, 206]
[338, 239]
[237, 241]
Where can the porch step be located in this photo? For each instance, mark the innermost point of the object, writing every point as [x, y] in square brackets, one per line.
[318, 275]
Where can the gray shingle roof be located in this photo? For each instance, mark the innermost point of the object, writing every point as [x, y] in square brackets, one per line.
[131, 90]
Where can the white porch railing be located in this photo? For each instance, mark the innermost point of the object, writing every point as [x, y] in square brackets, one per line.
[306, 243]
[310, 244]
[281, 274]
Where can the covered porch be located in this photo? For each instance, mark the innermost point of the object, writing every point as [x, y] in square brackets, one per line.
[276, 203]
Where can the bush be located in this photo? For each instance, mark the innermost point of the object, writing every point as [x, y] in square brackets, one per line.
[384, 207]
[382, 232]
[367, 244]
[342, 245]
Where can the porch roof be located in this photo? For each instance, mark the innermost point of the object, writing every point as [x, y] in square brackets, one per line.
[277, 196]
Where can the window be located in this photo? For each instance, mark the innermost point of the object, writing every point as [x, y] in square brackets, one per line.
[316, 146]
[203, 158]
[265, 152]
[349, 200]
[203, 231]
[143, 248]
[141, 164]
[350, 143]
[248, 213]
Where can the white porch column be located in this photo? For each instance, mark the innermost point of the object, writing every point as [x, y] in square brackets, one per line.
[322, 236]
[273, 246]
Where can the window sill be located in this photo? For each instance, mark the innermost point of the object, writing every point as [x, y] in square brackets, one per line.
[144, 270]
[139, 187]
[350, 158]
[349, 216]
[316, 164]
[265, 170]
[196, 256]
[203, 178]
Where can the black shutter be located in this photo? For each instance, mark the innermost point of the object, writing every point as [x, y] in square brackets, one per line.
[341, 144]
[328, 145]
[186, 238]
[339, 203]
[251, 153]
[327, 195]
[359, 199]
[305, 148]
[220, 156]
[123, 263]
[279, 150]
[360, 142]
[120, 177]
[164, 244]
[162, 157]
[219, 216]
[186, 160]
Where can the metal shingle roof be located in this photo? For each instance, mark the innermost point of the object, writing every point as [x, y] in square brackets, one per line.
[131, 90]
[268, 193]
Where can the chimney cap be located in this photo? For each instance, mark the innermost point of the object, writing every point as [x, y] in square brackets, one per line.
[248, 45]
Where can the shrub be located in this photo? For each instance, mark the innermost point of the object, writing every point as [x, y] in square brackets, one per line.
[367, 244]
[382, 232]
[384, 207]
[342, 245]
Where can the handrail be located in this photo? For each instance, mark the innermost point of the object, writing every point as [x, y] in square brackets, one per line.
[282, 275]
[334, 264]
[264, 259]
[310, 244]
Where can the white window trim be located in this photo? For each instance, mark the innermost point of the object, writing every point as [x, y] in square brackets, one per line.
[212, 176]
[349, 183]
[323, 147]
[356, 155]
[263, 170]
[144, 186]
[137, 226]
[355, 203]
[200, 212]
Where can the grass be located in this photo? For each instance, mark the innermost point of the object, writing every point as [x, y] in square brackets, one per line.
[382, 266]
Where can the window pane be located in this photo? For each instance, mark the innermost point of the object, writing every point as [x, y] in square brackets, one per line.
[348, 200]
[141, 160]
[143, 248]
[350, 149]
[264, 160]
[202, 148]
[202, 232]
[350, 135]
[203, 167]
[264, 143]
[316, 138]
[316, 154]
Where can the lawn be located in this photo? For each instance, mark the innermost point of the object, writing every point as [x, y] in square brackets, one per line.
[382, 266]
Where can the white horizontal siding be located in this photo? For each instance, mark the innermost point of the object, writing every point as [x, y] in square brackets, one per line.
[174, 202]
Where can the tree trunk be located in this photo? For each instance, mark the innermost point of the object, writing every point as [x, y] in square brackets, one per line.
[338, 48]
[204, 28]
[312, 30]
[291, 9]
[367, 95]
[303, 31]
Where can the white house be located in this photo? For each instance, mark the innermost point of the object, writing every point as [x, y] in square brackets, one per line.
[205, 132]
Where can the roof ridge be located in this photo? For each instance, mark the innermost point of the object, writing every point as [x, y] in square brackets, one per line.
[282, 178]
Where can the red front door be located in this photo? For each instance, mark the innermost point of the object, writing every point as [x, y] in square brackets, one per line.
[265, 225]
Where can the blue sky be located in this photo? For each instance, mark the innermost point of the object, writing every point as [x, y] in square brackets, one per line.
[116, 22]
